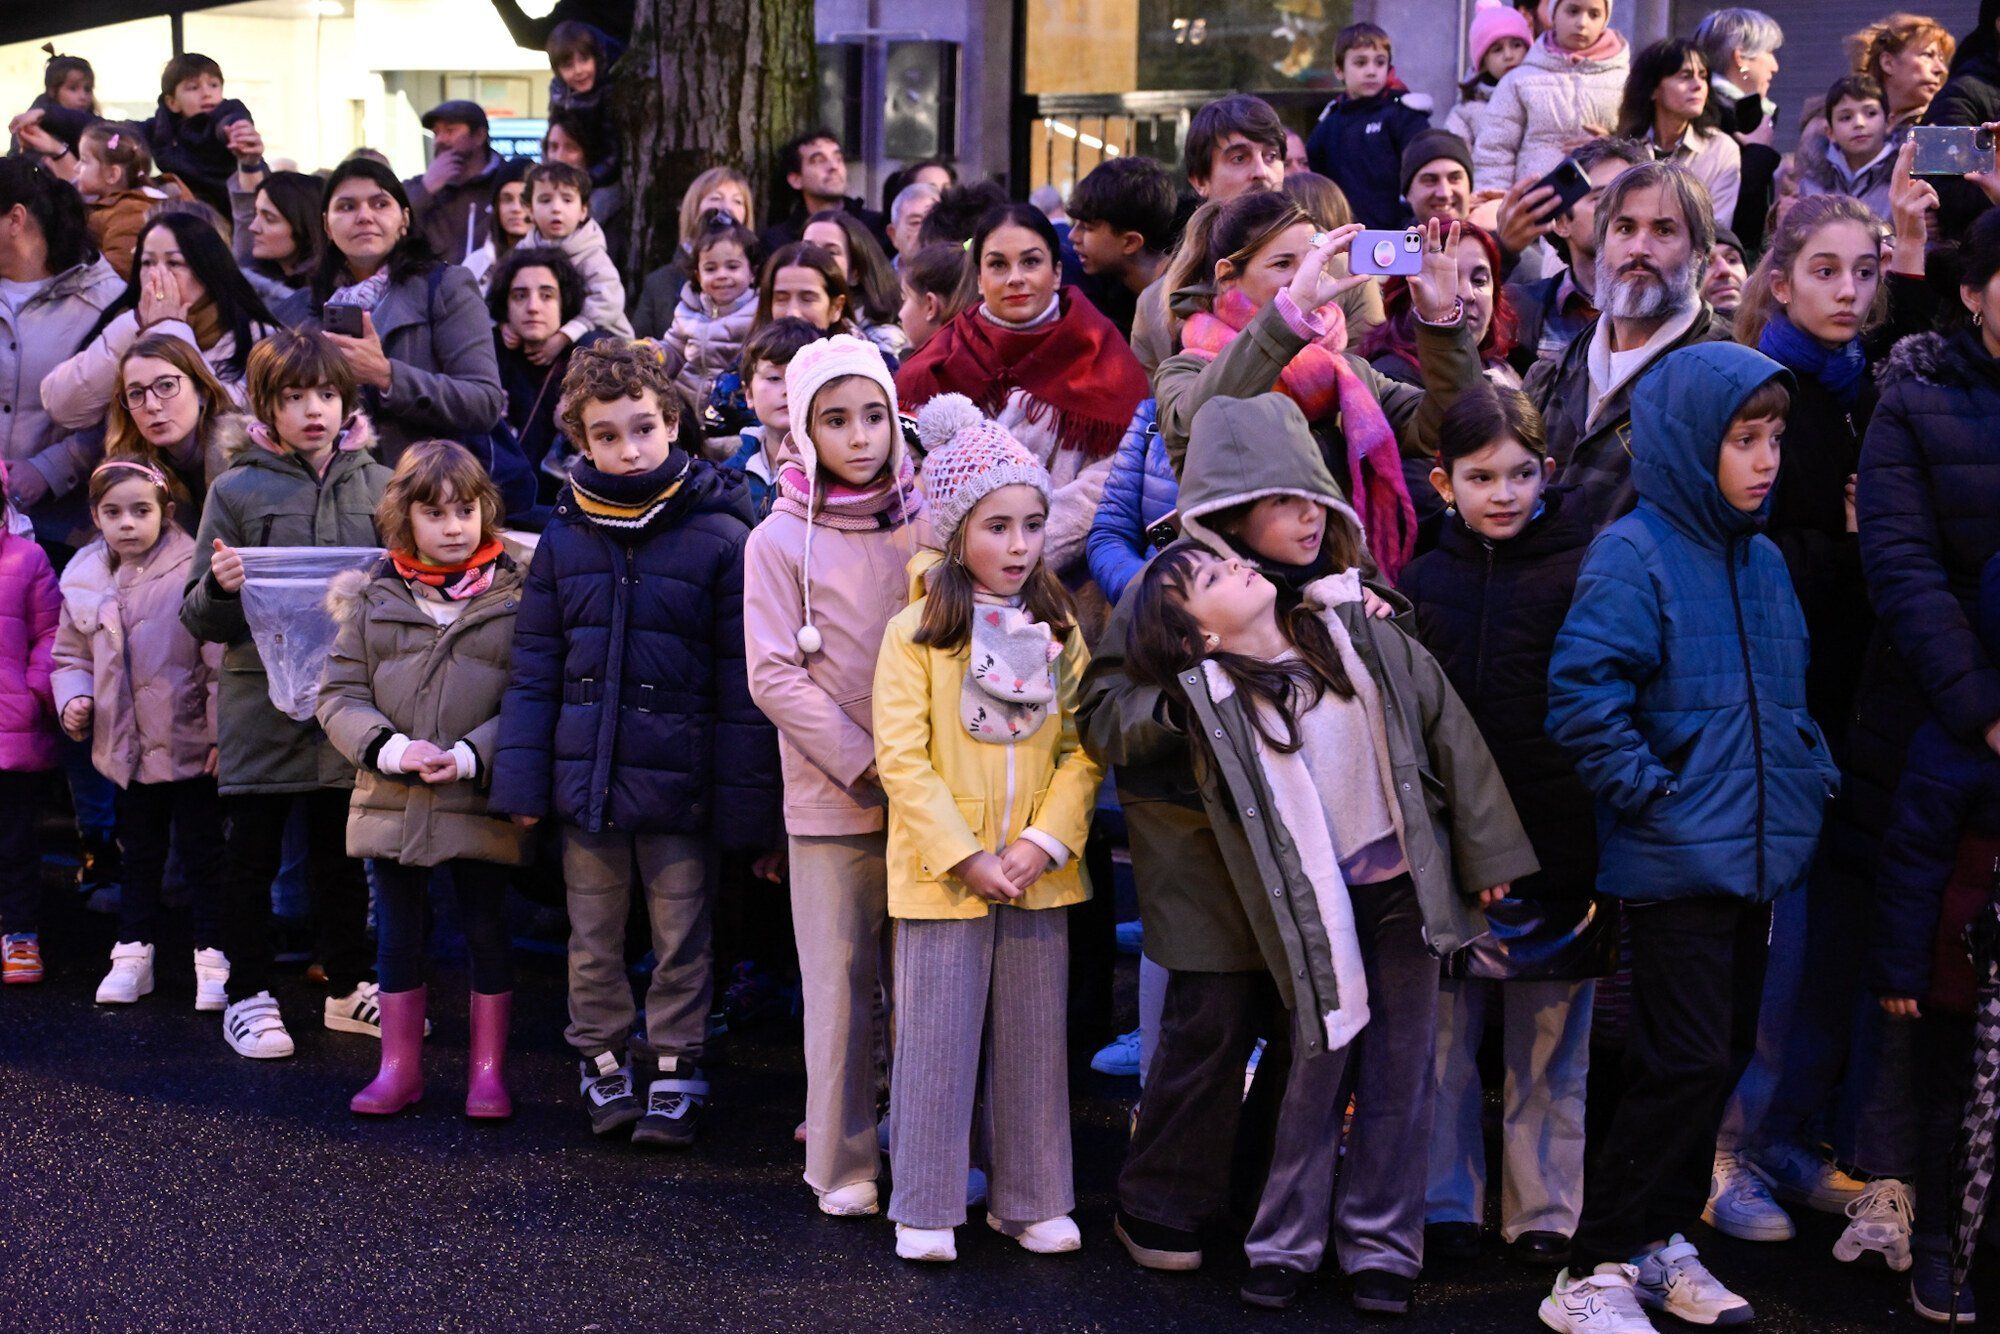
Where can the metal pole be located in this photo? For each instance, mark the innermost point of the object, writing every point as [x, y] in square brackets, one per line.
[175, 19]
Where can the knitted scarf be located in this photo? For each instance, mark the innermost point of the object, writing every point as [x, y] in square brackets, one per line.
[366, 294]
[456, 583]
[1839, 370]
[887, 502]
[631, 506]
[1605, 47]
[1324, 386]
[1076, 370]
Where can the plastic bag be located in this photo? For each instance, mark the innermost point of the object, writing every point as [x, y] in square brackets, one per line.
[284, 600]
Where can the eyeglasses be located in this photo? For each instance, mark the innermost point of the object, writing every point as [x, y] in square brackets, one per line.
[164, 388]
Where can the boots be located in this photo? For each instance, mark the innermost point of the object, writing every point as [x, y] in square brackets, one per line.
[486, 1065]
[400, 1081]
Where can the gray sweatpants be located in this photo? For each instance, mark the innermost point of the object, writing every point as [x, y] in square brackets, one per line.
[673, 871]
[1545, 1035]
[840, 915]
[1378, 1215]
[996, 985]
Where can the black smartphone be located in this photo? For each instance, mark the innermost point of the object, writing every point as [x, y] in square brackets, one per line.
[1745, 116]
[1569, 183]
[341, 319]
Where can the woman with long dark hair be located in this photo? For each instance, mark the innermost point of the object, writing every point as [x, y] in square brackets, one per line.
[1667, 108]
[277, 233]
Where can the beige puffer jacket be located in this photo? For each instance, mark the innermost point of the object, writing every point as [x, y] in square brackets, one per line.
[121, 643]
[1539, 107]
[394, 669]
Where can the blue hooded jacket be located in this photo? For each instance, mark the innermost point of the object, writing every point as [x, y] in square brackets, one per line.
[1678, 682]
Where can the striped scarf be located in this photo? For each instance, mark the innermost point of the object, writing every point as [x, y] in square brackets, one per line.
[631, 506]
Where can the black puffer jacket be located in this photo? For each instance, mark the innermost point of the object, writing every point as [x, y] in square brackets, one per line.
[1489, 614]
[1929, 507]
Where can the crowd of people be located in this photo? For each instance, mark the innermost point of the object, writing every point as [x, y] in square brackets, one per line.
[1592, 636]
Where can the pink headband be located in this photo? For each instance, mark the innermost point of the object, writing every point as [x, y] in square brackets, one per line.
[145, 470]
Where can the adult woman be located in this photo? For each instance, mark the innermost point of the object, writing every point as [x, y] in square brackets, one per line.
[871, 283]
[723, 189]
[1741, 48]
[277, 231]
[173, 413]
[1255, 291]
[804, 281]
[510, 221]
[533, 293]
[1325, 203]
[424, 355]
[1910, 56]
[186, 284]
[1667, 108]
[60, 289]
[1040, 360]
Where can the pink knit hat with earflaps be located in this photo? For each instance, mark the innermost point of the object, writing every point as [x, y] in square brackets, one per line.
[970, 456]
[1493, 20]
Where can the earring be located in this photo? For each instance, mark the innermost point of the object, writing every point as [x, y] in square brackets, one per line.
[1213, 641]
[1450, 508]
[1978, 318]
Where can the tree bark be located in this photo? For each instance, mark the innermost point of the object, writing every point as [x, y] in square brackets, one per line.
[706, 83]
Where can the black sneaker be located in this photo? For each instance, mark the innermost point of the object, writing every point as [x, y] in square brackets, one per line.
[1157, 1246]
[607, 1093]
[1452, 1242]
[1272, 1287]
[674, 1098]
[1381, 1292]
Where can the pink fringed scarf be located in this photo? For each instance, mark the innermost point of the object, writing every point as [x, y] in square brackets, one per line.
[1321, 382]
[886, 503]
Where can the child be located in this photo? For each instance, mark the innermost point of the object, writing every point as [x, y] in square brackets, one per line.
[628, 718]
[1566, 89]
[931, 280]
[1678, 689]
[510, 224]
[1489, 601]
[812, 627]
[872, 288]
[1121, 225]
[716, 308]
[1859, 159]
[1497, 39]
[199, 135]
[303, 478]
[411, 698]
[559, 206]
[65, 107]
[30, 606]
[1359, 141]
[115, 177]
[989, 803]
[581, 57]
[767, 359]
[1391, 828]
[132, 681]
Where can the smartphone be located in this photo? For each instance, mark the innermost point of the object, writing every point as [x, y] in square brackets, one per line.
[1569, 183]
[1385, 253]
[340, 319]
[1951, 150]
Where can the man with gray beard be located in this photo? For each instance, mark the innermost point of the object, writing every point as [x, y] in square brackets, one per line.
[1655, 228]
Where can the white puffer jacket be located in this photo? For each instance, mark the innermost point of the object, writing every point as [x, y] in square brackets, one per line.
[1539, 107]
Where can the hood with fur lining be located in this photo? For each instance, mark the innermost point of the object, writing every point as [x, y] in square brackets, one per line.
[1243, 449]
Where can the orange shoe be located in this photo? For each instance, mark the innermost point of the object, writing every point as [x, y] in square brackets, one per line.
[20, 959]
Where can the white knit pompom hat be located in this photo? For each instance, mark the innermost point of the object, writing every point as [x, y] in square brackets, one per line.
[970, 456]
[817, 365]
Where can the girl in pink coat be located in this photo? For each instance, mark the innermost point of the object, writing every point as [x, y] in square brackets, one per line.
[29, 605]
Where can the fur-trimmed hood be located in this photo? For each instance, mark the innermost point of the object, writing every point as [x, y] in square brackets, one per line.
[1945, 361]
[357, 433]
[344, 595]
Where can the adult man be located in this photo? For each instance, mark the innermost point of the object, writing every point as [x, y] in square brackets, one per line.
[1437, 177]
[448, 202]
[1234, 145]
[816, 168]
[1551, 311]
[913, 203]
[1653, 230]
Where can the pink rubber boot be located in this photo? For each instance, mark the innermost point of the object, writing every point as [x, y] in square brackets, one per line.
[400, 1081]
[486, 1068]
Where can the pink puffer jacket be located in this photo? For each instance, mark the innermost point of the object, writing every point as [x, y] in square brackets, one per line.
[122, 644]
[29, 606]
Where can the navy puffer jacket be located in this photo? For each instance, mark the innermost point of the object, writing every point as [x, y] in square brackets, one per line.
[1678, 683]
[629, 707]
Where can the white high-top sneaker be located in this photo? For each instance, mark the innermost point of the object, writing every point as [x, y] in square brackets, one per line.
[131, 974]
[211, 981]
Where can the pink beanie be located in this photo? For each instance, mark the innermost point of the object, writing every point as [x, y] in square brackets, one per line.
[969, 456]
[1493, 20]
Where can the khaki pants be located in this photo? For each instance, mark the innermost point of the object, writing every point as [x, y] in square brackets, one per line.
[673, 870]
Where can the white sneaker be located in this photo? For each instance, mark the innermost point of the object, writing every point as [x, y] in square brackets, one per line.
[254, 1028]
[1740, 1204]
[1882, 1215]
[933, 1245]
[1051, 1236]
[1120, 1056]
[360, 1011]
[1673, 1279]
[211, 981]
[851, 1201]
[1797, 1175]
[1601, 1302]
[131, 974]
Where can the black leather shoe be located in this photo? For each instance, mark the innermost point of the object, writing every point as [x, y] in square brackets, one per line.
[1545, 1250]
[1157, 1246]
[1381, 1293]
[1273, 1287]
[1454, 1242]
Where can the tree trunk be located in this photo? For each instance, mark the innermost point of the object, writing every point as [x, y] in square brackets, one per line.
[706, 83]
